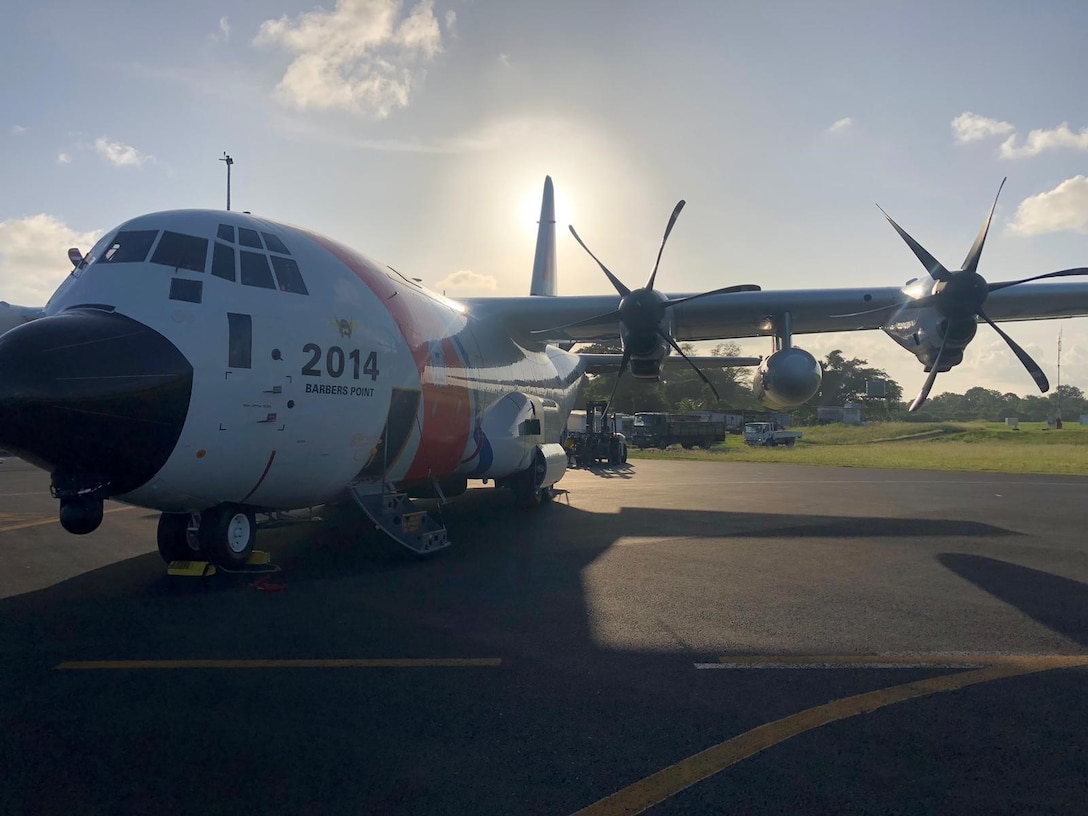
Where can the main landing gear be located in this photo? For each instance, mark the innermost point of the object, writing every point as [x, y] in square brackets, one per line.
[224, 535]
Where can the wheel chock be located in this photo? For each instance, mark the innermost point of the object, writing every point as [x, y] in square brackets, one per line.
[258, 558]
[191, 569]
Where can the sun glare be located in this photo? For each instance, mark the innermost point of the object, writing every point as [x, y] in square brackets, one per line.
[529, 210]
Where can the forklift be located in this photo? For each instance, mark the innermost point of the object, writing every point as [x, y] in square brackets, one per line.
[600, 442]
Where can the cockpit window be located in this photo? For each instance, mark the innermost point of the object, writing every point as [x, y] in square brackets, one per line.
[130, 246]
[255, 271]
[290, 279]
[181, 251]
[226, 232]
[274, 244]
[223, 262]
[249, 238]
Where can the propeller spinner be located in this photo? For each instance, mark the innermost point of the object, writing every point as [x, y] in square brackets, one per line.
[959, 296]
[641, 312]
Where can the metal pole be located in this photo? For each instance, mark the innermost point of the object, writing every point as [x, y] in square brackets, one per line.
[229, 161]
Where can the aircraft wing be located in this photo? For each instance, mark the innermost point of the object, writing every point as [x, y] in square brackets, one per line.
[12, 316]
[745, 314]
[605, 363]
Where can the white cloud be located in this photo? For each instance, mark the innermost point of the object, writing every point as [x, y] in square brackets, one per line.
[1063, 208]
[64, 158]
[358, 57]
[451, 21]
[467, 282]
[120, 154]
[18, 130]
[1040, 140]
[222, 32]
[34, 257]
[841, 125]
[970, 127]
[504, 60]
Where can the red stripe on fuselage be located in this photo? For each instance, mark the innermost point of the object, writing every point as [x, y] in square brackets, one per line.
[445, 410]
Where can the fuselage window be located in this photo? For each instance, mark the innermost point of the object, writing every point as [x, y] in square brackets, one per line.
[240, 342]
[290, 279]
[255, 271]
[190, 291]
[181, 251]
[223, 262]
[274, 244]
[130, 246]
[249, 238]
[226, 232]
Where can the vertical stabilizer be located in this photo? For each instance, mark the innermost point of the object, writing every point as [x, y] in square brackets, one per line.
[544, 263]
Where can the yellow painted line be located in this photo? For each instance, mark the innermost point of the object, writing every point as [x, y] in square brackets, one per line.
[951, 660]
[42, 522]
[668, 782]
[351, 663]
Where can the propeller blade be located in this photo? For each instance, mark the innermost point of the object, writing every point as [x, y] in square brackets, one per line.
[970, 263]
[665, 336]
[1025, 358]
[623, 367]
[928, 386]
[623, 290]
[1064, 273]
[586, 322]
[725, 290]
[932, 265]
[668, 229]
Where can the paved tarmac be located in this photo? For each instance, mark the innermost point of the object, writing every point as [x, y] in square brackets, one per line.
[683, 637]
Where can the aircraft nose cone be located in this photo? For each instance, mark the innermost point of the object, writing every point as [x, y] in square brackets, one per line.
[96, 398]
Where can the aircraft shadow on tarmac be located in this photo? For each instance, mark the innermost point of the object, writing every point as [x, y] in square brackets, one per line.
[503, 576]
[1051, 600]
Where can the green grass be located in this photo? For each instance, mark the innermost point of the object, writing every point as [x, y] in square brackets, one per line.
[967, 446]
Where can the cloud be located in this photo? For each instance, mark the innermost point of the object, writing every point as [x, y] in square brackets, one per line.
[841, 125]
[18, 130]
[970, 127]
[1040, 140]
[222, 32]
[1063, 208]
[34, 257]
[64, 158]
[358, 57]
[467, 282]
[120, 154]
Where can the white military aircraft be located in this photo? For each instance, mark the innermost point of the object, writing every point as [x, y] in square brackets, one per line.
[213, 365]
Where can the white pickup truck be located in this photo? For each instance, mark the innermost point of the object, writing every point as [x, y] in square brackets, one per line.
[767, 435]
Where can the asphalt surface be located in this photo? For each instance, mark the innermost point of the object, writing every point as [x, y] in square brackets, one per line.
[548, 661]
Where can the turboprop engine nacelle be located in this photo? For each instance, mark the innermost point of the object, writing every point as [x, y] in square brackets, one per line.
[788, 378]
[923, 334]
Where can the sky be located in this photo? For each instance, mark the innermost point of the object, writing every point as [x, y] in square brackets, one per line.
[420, 134]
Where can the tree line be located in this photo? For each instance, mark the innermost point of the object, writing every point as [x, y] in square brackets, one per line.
[845, 380]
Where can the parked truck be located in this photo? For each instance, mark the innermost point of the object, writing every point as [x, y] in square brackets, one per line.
[768, 435]
[653, 430]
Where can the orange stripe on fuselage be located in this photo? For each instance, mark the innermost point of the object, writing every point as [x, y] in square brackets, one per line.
[445, 410]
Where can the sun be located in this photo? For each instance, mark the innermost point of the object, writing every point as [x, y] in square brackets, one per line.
[529, 209]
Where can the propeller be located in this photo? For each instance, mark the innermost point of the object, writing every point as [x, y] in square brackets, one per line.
[642, 311]
[959, 296]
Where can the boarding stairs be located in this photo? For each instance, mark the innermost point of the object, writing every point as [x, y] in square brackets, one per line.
[395, 514]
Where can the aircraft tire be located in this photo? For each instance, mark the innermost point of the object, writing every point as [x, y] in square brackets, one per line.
[228, 533]
[174, 541]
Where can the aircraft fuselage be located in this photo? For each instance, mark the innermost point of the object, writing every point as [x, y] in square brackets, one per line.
[312, 367]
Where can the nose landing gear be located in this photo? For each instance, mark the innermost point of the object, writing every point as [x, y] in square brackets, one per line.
[224, 535]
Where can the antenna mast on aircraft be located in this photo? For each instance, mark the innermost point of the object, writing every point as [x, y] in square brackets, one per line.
[229, 161]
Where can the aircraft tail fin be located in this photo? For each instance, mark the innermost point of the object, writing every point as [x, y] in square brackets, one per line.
[544, 281]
